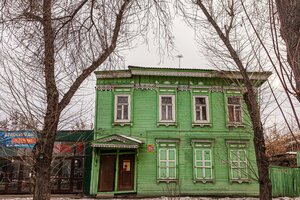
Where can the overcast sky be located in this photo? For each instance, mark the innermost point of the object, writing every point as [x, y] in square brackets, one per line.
[146, 55]
[185, 45]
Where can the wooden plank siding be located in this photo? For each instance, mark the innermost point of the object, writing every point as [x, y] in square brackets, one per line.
[285, 181]
[144, 127]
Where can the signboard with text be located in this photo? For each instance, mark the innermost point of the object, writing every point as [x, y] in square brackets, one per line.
[18, 139]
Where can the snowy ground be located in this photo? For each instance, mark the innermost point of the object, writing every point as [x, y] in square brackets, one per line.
[20, 197]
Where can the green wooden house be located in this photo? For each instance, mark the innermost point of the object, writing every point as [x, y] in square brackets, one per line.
[167, 131]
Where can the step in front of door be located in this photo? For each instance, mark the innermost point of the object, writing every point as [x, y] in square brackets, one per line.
[101, 196]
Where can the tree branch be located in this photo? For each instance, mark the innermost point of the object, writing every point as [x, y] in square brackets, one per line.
[33, 16]
[74, 87]
[71, 16]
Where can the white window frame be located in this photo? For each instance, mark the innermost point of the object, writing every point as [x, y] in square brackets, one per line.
[238, 166]
[203, 162]
[173, 108]
[167, 149]
[207, 109]
[167, 163]
[234, 109]
[116, 106]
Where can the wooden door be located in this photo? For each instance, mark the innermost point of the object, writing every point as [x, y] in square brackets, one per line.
[126, 172]
[107, 173]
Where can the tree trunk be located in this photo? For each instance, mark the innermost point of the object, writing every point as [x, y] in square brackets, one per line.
[44, 147]
[265, 185]
[250, 97]
[43, 156]
[289, 17]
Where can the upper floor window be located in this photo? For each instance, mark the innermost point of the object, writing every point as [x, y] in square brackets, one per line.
[201, 112]
[122, 108]
[234, 109]
[167, 108]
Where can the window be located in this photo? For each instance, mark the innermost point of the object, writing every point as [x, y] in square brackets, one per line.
[238, 162]
[234, 109]
[167, 108]
[122, 108]
[167, 161]
[201, 109]
[68, 149]
[202, 159]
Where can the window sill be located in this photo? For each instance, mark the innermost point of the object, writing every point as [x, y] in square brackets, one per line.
[240, 181]
[204, 180]
[122, 124]
[167, 180]
[236, 125]
[201, 124]
[166, 124]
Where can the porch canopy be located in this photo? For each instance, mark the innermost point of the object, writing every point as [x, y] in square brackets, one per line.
[117, 141]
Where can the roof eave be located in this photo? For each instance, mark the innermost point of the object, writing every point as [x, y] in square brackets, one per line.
[259, 76]
[113, 74]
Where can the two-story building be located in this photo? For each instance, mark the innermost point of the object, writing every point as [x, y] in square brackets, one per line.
[168, 131]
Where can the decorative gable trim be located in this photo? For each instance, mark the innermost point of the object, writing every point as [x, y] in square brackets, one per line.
[202, 141]
[116, 146]
[167, 140]
[117, 141]
[238, 143]
[149, 86]
[105, 87]
[216, 89]
[144, 86]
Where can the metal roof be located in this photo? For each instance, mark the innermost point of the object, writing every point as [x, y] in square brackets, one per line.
[169, 67]
[179, 72]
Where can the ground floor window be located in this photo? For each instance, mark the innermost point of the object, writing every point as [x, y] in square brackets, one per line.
[67, 174]
[167, 160]
[67, 168]
[238, 162]
[202, 160]
[203, 163]
[15, 175]
[167, 163]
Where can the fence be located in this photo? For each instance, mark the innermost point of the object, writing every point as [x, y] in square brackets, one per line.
[285, 181]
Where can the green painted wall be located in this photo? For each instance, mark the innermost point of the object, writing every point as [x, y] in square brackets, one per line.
[144, 115]
[298, 158]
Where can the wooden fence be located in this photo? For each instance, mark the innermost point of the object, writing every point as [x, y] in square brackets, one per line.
[285, 181]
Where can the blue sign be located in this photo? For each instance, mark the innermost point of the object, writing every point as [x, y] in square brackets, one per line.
[18, 139]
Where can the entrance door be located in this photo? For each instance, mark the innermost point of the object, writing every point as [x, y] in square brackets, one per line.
[107, 173]
[126, 172]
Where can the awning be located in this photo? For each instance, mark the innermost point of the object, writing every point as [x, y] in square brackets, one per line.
[117, 141]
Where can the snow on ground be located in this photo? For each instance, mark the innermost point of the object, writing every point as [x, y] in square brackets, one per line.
[20, 197]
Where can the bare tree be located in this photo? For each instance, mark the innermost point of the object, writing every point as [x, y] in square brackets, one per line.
[288, 13]
[222, 25]
[16, 121]
[49, 48]
[285, 18]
